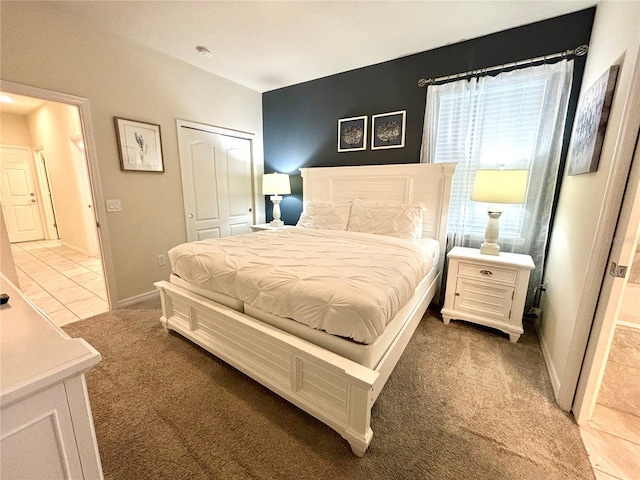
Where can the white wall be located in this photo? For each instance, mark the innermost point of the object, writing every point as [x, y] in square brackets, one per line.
[575, 252]
[7, 267]
[43, 49]
[14, 130]
[52, 126]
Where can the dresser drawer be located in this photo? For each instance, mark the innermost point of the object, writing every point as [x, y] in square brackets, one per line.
[488, 272]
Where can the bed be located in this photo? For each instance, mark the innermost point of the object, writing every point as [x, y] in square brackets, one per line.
[330, 371]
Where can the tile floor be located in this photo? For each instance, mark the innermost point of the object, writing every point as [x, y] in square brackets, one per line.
[64, 283]
[612, 437]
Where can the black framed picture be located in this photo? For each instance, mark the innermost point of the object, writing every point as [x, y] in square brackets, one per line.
[139, 145]
[387, 130]
[591, 124]
[352, 134]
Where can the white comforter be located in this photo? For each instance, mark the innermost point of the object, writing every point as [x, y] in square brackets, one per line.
[345, 283]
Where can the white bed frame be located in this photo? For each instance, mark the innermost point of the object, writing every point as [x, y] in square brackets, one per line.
[335, 390]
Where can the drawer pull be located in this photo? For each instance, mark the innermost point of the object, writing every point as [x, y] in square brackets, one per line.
[486, 272]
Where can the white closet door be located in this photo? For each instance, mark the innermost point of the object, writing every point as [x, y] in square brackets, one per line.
[216, 183]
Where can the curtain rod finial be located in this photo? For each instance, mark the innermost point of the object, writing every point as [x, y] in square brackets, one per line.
[581, 50]
[422, 82]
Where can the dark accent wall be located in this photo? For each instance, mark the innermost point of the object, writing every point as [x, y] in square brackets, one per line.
[300, 122]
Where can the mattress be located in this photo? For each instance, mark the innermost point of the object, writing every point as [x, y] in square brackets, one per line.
[344, 283]
[368, 355]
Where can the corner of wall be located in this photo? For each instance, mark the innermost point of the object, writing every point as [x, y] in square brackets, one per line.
[7, 267]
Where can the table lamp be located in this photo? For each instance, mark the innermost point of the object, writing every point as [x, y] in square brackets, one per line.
[498, 187]
[275, 184]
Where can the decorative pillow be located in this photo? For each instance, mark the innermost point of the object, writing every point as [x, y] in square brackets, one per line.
[325, 215]
[403, 221]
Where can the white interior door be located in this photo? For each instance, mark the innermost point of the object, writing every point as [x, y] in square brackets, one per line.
[622, 252]
[216, 182]
[18, 193]
[46, 197]
[84, 185]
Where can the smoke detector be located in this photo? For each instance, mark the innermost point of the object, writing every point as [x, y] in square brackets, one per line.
[204, 51]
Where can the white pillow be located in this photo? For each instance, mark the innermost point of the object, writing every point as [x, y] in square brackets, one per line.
[325, 215]
[403, 221]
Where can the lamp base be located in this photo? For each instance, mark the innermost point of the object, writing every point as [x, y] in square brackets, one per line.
[276, 223]
[492, 233]
[490, 249]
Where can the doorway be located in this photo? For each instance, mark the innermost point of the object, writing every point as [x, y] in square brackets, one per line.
[49, 213]
[608, 397]
[63, 270]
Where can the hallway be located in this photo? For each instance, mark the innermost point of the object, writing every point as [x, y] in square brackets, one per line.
[612, 437]
[65, 284]
[612, 440]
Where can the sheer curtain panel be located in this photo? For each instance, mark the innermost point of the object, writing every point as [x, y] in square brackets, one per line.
[513, 120]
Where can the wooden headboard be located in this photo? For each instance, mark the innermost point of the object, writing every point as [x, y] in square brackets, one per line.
[425, 183]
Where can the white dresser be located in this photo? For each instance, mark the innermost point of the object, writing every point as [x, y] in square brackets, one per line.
[488, 290]
[46, 427]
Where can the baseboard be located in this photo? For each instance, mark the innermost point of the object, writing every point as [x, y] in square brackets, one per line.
[138, 298]
[77, 249]
[551, 370]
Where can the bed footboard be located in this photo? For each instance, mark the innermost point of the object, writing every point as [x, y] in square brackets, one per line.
[335, 390]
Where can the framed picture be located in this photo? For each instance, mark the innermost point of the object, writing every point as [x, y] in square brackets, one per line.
[591, 124]
[139, 145]
[387, 130]
[352, 134]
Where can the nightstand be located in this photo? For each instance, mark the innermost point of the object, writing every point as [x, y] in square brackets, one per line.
[488, 290]
[264, 226]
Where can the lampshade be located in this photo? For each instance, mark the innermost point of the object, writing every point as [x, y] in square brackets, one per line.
[500, 186]
[496, 187]
[275, 184]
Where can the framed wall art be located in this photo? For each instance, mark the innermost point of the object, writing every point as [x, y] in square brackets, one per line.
[352, 134]
[591, 124]
[387, 130]
[139, 145]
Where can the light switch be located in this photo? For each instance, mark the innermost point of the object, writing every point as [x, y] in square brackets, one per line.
[114, 206]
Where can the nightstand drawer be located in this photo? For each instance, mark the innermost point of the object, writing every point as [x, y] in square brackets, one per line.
[488, 272]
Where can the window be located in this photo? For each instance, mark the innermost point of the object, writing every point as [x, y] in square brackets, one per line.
[515, 120]
[503, 124]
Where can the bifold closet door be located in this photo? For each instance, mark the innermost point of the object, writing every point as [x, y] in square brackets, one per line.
[217, 183]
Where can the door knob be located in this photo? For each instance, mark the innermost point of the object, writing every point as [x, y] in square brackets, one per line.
[250, 210]
[190, 215]
[33, 200]
[32, 194]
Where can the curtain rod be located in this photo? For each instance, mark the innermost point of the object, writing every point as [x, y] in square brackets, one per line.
[578, 52]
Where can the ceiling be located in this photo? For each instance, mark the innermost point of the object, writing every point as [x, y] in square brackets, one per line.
[18, 104]
[266, 45]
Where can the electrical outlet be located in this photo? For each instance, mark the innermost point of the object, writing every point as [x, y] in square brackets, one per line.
[162, 260]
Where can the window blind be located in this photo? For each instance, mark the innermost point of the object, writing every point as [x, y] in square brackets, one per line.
[495, 125]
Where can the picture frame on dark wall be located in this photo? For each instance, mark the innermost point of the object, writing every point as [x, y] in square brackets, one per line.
[388, 130]
[352, 134]
[139, 145]
[590, 124]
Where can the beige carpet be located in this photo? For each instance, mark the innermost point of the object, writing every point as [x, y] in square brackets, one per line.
[463, 403]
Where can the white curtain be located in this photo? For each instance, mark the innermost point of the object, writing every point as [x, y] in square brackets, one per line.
[513, 120]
